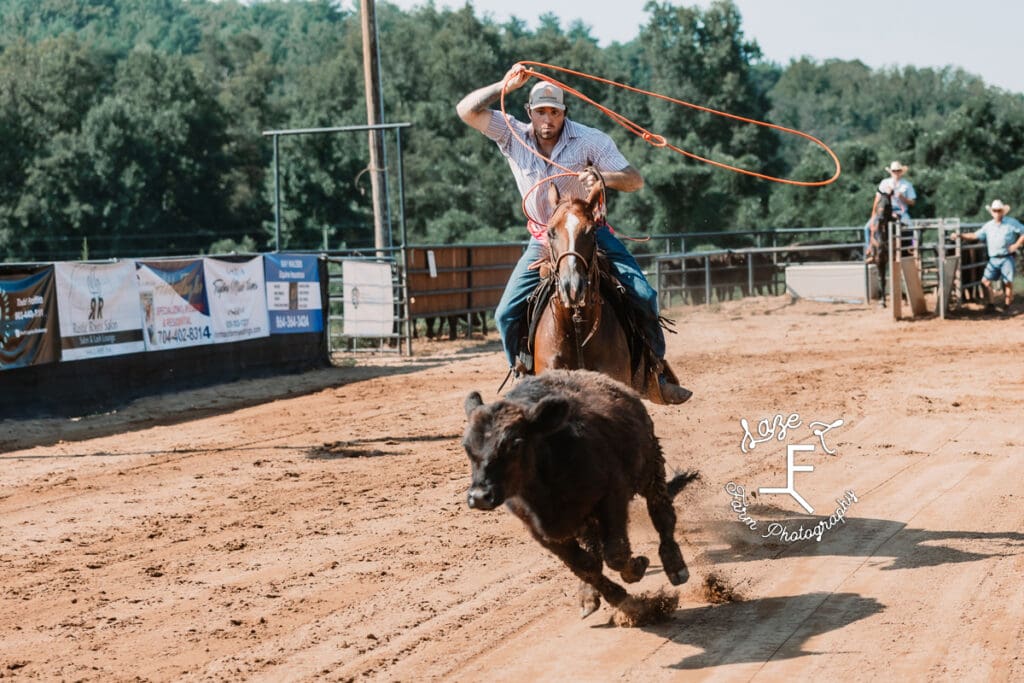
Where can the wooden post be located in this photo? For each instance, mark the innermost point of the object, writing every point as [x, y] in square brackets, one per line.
[374, 116]
[895, 271]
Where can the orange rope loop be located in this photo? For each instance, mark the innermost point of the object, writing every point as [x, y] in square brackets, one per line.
[658, 140]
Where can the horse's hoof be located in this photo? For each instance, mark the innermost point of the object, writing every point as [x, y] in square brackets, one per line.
[680, 577]
[635, 569]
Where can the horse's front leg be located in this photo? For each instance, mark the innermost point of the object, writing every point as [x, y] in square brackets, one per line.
[554, 345]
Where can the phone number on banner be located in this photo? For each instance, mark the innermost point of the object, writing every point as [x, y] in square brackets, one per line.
[183, 335]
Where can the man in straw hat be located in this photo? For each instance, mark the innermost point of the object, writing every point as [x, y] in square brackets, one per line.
[571, 145]
[903, 197]
[1003, 237]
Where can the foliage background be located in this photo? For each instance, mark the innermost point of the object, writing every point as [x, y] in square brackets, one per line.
[134, 127]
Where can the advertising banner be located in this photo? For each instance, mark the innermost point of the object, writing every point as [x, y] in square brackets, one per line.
[238, 299]
[28, 319]
[174, 305]
[293, 293]
[99, 310]
[369, 299]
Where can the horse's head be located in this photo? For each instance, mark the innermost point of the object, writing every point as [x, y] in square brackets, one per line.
[572, 240]
[885, 211]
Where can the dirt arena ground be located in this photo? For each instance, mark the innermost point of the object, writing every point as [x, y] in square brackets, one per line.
[314, 526]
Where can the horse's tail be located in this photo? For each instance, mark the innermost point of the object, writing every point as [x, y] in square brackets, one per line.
[680, 481]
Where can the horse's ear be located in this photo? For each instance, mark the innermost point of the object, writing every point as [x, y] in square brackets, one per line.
[553, 195]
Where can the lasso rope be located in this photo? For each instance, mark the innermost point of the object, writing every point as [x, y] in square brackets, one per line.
[651, 138]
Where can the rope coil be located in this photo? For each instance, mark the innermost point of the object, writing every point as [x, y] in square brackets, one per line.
[653, 139]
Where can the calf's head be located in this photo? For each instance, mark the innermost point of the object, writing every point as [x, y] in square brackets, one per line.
[501, 441]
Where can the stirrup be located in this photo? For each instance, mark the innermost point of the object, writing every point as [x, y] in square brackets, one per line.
[524, 362]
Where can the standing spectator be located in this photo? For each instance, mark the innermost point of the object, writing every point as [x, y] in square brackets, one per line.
[1003, 237]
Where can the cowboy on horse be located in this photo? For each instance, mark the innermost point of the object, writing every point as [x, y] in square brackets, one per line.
[552, 141]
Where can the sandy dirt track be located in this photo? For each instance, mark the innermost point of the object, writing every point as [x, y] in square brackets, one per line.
[314, 526]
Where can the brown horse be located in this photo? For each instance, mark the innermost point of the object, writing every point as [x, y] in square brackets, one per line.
[883, 221]
[579, 329]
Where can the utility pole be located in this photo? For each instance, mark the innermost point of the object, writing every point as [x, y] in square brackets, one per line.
[374, 116]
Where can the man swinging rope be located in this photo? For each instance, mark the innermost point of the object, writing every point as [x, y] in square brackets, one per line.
[569, 145]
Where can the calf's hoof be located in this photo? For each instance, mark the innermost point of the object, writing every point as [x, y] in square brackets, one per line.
[678, 578]
[635, 569]
[589, 598]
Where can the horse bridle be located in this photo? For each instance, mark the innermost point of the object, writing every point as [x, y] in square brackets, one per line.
[590, 266]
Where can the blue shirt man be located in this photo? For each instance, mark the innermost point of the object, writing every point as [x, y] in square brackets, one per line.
[1003, 237]
[902, 191]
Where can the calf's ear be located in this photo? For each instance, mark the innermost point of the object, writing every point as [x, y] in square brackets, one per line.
[473, 401]
[549, 414]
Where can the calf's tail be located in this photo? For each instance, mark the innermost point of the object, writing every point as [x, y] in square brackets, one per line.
[679, 482]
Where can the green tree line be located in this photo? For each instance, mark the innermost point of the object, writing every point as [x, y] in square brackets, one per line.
[134, 127]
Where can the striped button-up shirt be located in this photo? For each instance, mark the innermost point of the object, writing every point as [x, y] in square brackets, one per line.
[578, 146]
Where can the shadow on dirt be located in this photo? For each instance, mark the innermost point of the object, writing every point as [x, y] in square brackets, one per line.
[908, 547]
[190, 403]
[371, 448]
[763, 629]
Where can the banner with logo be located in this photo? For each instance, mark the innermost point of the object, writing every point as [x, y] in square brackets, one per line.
[238, 299]
[293, 293]
[28, 318]
[369, 299]
[175, 311]
[99, 310]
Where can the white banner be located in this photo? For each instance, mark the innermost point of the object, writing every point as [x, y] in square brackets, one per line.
[238, 299]
[174, 306]
[369, 299]
[98, 307]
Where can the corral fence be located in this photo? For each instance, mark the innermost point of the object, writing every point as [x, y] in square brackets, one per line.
[436, 285]
[460, 285]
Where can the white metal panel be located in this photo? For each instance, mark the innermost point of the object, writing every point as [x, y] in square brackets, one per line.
[837, 282]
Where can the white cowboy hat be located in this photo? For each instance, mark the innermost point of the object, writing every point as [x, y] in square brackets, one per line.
[896, 166]
[997, 205]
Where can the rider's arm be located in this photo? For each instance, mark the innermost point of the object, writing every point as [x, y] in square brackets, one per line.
[474, 108]
[626, 180]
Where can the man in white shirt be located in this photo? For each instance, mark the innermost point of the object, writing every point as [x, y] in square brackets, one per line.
[561, 140]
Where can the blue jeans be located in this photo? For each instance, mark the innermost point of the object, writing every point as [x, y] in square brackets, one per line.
[523, 281]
